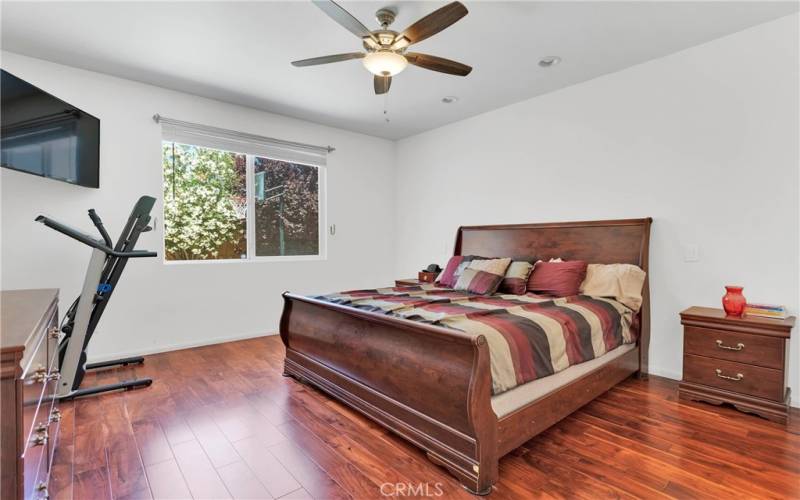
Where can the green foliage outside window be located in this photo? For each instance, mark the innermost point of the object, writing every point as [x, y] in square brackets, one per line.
[203, 188]
[287, 213]
[205, 205]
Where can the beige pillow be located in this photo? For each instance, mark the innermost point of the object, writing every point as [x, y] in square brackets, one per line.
[623, 282]
[494, 266]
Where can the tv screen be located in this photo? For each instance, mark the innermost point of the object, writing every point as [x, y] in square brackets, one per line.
[43, 135]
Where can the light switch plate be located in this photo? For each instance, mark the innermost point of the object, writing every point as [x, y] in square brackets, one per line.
[691, 252]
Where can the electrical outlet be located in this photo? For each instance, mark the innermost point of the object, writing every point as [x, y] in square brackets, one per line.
[691, 252]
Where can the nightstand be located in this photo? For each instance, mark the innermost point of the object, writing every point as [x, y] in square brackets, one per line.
[737, 360]
[408, 282]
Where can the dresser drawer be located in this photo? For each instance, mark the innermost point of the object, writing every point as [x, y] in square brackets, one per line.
[757, 350]
[28, 380]
[736, 377]
[34, 380]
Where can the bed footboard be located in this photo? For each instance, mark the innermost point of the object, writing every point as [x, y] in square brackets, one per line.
[430, 385]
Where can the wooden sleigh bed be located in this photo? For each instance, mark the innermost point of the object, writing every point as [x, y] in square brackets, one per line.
[432, 385]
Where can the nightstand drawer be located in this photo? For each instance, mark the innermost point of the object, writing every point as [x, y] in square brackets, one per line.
[736, 377]
[408, 282]
[756, 350]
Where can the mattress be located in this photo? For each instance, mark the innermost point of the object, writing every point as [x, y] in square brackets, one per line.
[530, 337]
[515, 398]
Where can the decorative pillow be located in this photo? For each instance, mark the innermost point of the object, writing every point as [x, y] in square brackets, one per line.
[483, 276]
[560, 279]
[623, 282]
[516, 279]
[455, 266]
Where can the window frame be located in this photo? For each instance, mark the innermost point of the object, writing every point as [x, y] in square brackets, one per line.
[322, 188]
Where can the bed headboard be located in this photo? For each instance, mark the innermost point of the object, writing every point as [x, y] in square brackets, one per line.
[599, 242]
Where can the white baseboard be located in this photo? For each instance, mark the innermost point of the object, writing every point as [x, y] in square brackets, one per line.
[175, 347]
[664, 372]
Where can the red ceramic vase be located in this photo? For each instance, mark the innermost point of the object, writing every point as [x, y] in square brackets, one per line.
[733, 302]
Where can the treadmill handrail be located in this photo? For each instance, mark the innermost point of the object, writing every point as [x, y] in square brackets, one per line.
[88, 240]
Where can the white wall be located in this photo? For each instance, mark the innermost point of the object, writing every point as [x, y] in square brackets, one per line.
[158, 306]
[705, 141]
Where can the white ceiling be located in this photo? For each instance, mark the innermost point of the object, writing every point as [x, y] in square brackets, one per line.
[239, 52]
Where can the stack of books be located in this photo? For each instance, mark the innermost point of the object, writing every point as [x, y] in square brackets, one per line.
[765, 311]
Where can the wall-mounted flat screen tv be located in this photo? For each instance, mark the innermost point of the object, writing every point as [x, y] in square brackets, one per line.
[43, 135]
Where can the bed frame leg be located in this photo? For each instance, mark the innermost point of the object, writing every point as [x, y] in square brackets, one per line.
[480, 485]
[478, 493]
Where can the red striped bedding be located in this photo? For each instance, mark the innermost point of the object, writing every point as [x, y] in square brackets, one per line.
[529, 336]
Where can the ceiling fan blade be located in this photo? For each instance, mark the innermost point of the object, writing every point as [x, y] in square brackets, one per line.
[382, 84]
[434, 22]
[328, 59]
[439, 64]
[344, 18]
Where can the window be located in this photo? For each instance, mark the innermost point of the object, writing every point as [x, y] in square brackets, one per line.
[286, 208]
[229, 205]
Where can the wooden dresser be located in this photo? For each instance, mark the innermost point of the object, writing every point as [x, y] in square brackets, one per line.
[28, 379]
[741, 361]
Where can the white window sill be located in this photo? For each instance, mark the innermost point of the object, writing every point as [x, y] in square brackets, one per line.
[254, 260]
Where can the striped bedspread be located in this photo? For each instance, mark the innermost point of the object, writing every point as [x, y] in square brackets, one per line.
[529, 336]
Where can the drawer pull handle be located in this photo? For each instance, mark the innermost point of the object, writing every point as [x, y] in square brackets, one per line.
[738, 347]
[737, 378]
[41, 488]
[38, 376]
[54, 375]
[40, 439]
[55, 415]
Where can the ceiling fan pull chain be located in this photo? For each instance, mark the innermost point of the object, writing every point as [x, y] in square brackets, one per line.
[386, 107]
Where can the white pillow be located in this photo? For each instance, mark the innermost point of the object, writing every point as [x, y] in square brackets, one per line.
[623, 282]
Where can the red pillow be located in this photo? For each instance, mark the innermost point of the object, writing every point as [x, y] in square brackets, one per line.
[560, 279]
[448, 278]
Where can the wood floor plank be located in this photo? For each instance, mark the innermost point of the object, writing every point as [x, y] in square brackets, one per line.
[167, 481]
[200, 475]
[238, 428]
[125, 467]
[217, 447]
[388, 463]
[61, 483]
[346, 474]
[300, 494]
[92, 484]
[176, 429]
[241, 482]
[153, 444]
[274, 476]
[314, 480]
[90, 436]
[687, 459]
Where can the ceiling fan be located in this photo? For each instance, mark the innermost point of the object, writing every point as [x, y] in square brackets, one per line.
[386, 53]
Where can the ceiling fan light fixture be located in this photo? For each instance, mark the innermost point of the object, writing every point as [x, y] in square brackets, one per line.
[385, 63]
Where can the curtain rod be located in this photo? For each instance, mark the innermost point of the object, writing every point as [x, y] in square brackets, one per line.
[241, 135]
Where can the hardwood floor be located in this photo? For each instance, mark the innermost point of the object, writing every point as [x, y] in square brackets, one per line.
[221, 422]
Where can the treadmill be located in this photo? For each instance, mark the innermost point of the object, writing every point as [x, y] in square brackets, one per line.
[105, 268]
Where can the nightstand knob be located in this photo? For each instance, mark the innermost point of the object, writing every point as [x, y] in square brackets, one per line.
[738, 347]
